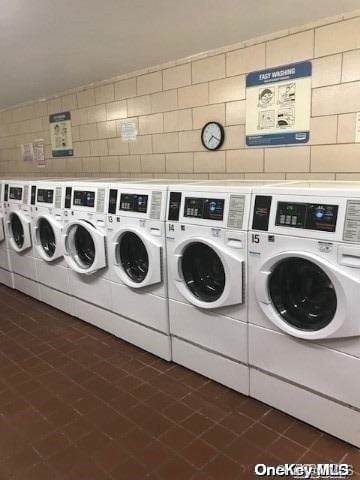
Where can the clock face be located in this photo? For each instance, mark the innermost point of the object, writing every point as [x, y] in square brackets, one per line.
[212, 135]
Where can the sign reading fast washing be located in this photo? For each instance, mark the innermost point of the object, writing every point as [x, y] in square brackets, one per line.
[278, 105]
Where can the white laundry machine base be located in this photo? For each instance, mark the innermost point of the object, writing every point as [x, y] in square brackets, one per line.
[27, 286]
[148, 339]
[323, 413]
[6, 278]
[223, 370]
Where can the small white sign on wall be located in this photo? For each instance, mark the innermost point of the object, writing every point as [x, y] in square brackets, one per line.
[27, 152]
[357, 127]
[39, 153]
[128, 130]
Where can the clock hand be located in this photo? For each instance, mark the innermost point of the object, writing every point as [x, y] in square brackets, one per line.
[215, 138]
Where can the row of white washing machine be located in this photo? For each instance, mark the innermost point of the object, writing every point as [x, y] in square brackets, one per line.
[252, 284]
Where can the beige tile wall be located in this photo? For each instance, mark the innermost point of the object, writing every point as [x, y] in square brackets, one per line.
[171, 103]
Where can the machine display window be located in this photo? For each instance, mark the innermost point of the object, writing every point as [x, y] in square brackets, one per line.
[206, 208]
[47, 237]
[15, 193]
[132, 255]
[84, 198]
[303, 294]
[45, 196]
[132, 202]
[203, 272]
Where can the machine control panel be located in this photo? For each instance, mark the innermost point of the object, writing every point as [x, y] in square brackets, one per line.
[261, 212]
[131, 202]
[113, 194]
[309, 216]
[45, 195]
[15, 193]
[6, 192]
[33, 195]
[206, 208]
[174, 206]
[83, 198]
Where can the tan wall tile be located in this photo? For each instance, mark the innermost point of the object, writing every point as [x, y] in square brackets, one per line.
[245, 60]
[346, 128]
[166, 142]
[234, 137]
[164, 101]
[149, 83]
[86, 98]
[310, 176]
[193, 96]
[139, 106]
[81, 149]
[287, 159]
[175, 77]
[106, 129]
[337, 37]
[341, 98]
[117, 146]
[226, 176]
[202, 115]
[179, 162]
[125, 89]
[178, 120]
[323, 130]
[99, 148]
[326, 71]
[190, 141]
[209, 68]
[91, 164]
[53, 106]
[245, 160]
[116, 110]
[87, 132]
[151, 124]
[142, 145]
[347, 177]
[351, 66]
[68, 102]
[194, 176]
[227, 89]
[335, 158]
[79, 117]
[96, 114]
[109, 164]
[153, 163]
[130, 163]
[264, 176]
[293, 48]
[73, 165]
[207, 162]
[104, 93]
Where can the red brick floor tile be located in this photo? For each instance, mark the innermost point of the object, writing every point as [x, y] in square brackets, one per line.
[199, 453]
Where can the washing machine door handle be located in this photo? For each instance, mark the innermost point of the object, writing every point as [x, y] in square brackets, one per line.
[2, 233]
[178, 270]
[261, 287]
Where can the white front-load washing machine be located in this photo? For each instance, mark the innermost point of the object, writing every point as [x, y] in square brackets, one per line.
[137, 264]
[6, 275]
[17, 199]
[84, 248]
[304, 285]
[206, 251]
[48, 223]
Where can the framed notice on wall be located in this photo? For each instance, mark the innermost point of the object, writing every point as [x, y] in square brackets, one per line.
[60, 134]
[278, 105]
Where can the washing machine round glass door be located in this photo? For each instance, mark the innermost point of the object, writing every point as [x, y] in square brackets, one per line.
[83, 251]
[303, 294]
[17, 230]
[203, 272]
[47, 237]
[133, 257]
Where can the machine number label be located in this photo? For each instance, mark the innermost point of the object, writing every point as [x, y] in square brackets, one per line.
[255, 238]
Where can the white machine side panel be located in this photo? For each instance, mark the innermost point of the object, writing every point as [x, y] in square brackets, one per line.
[331, 417]
[320, 369]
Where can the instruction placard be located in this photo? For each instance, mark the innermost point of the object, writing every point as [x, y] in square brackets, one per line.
[278, 105]
[60, 134]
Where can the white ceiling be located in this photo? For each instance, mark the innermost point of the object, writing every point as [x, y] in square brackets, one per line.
[49, 46]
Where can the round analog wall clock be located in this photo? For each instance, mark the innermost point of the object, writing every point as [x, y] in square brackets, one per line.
[212, 135]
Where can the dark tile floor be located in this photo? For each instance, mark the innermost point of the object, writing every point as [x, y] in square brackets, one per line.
[79, 404]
